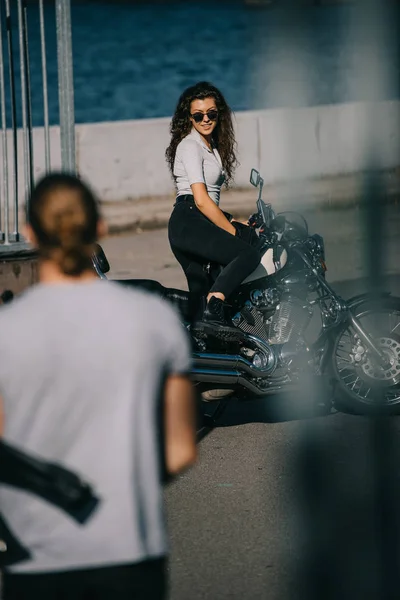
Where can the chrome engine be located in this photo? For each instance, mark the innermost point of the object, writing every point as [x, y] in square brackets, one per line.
[274, 323]
[250, 320]
[289, 321]
[278, 318]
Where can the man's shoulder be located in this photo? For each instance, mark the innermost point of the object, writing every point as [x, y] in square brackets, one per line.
[19, 304]
[6, 313]
[14, 320]
[133, 292]
[147, 311]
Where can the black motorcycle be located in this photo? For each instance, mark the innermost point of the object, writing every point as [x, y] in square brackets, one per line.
[356, 350]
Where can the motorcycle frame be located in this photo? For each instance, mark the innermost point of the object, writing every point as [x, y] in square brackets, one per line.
[343, 310]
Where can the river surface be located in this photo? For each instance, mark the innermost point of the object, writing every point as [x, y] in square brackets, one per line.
[131, 61]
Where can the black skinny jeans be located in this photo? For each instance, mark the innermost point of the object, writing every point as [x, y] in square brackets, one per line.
[195, 240]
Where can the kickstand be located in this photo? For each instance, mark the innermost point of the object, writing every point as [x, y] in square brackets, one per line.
[210, 420]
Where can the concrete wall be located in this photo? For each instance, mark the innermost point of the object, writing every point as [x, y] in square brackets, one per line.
[125, 159]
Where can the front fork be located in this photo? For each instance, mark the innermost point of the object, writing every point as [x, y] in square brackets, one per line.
[344, 313]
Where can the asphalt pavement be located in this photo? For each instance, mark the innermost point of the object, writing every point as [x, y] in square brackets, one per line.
[284, 504]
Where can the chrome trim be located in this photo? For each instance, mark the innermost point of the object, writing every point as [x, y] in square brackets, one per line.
[234, 362]
[233, 378]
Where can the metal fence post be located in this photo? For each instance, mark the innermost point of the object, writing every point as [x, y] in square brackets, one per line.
[24, 105]
[11, 72]
[4, 217]
[14, 22]
[65, 85]
[45, 88]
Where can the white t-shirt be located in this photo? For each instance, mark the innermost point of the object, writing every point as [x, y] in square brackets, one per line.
[81, 368]
[196, 163]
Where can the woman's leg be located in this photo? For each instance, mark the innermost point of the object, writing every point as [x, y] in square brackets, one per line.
[192, 233]
[197, 279]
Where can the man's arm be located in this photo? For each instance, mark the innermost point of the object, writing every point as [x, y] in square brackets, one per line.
[180, 424]
[1, 417]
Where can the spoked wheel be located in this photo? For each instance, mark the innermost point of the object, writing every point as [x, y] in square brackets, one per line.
[363, 383]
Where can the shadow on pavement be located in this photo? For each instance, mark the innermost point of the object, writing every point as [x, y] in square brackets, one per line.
[272, 409]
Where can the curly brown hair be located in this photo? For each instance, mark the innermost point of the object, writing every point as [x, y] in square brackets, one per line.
[223, 135]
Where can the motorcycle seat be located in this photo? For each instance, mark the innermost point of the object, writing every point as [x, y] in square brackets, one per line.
[179, 298]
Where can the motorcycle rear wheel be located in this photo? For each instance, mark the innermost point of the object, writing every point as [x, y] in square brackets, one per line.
[361, 385]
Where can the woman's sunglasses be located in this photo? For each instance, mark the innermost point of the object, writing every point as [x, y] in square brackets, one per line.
[198, 117]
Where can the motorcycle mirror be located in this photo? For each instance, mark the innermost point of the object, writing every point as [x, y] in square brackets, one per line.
[255, 177]
[101, 259]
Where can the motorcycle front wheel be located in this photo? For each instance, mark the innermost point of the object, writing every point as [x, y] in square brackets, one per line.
[362, 384]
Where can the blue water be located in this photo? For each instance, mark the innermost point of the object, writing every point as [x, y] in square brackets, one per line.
[133, 61]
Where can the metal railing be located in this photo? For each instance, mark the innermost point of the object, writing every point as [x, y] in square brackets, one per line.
[18, 153]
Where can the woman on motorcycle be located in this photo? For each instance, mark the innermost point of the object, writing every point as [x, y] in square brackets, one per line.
[201, 157]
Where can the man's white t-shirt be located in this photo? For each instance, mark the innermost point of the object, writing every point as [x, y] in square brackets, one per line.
[81, 372]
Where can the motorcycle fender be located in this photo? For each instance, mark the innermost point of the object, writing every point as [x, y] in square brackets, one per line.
[357, 301]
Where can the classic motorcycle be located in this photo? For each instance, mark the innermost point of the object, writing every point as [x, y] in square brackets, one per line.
[357, 349]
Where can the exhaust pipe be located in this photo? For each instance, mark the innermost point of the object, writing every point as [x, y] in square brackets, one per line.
[236, 363]
[230, 370]
[231, 379]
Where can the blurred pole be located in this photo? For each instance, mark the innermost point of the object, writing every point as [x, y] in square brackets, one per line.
[286, 80]
[379, 28]
[13, 111]
[372, 534]
[66, 85]
[289, 85]
[24, 104]
[45, 90]
[346, 485]
[4, 205]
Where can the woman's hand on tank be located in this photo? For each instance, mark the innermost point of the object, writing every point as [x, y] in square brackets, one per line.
[246, 233]
[242, 222]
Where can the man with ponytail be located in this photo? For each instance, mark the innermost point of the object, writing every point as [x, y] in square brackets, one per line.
[87, 368]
